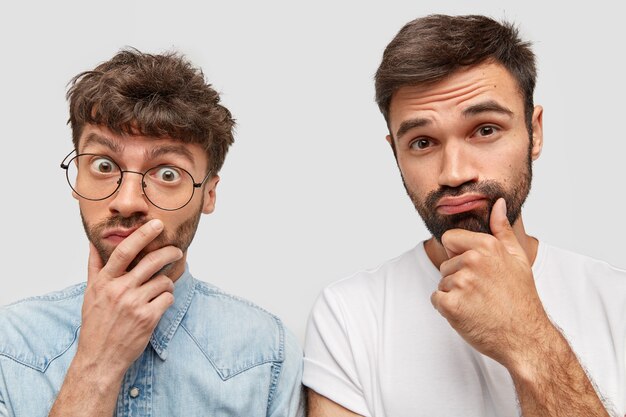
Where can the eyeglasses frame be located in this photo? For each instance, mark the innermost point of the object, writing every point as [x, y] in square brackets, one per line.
[66, 166]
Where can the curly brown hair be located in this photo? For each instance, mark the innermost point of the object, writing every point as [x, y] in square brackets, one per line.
[430, 48]
[161, 96]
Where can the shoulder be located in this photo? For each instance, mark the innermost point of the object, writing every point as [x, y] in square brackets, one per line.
[37, 330]
[577, 267]
[371, 280]
[236, 334]
[590, 285]
[367, 290]
[354, 309]
[347, 321]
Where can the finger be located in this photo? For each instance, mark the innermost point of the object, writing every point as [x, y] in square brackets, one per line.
[448, 304]
[161, 303]
[464, 281]
[155, 287]
[458, 241]
[445, 284]
[153, 262]
[94, 263]
[130, 247]
[502, 230]
[451, 266]
[436, 298]
[449, 251]
[467, 259]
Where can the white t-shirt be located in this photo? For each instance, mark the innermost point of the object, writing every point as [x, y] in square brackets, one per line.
[376, 345]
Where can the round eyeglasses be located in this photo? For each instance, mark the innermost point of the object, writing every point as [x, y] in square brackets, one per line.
[97, 177]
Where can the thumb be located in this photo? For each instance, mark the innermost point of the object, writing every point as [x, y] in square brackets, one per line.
[95, 263]
[502, 230]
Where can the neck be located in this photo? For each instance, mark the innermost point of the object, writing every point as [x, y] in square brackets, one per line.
[175, 270]
[437, 254]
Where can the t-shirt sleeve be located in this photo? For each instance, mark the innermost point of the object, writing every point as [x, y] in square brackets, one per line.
[329, 363]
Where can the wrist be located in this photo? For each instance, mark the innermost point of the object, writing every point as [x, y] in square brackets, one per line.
[100, 376]
[534, 359]
[89, 389]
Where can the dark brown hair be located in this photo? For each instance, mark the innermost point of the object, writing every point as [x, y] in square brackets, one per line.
[162, 96]
[428, 49]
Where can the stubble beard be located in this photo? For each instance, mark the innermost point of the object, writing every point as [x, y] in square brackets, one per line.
[475, 220]
[180, 238]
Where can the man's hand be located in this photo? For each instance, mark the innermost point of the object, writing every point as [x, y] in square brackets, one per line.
[487, 291]
[488, 295]
[120, 311]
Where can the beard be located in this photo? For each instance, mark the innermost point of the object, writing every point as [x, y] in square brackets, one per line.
[180, 238]
[475, 220]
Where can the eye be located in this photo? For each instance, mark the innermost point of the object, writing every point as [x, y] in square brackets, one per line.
[167, 174]
[486, 130]
[421, 143]
[102, 165]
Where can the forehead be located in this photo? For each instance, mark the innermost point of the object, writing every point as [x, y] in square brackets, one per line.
[100, 139]
[486, 82]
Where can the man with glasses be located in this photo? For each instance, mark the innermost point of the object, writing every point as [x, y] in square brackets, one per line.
[143, 337]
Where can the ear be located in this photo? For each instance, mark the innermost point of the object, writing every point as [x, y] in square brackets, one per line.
[209, 194]
[537, 132]
[392, 144]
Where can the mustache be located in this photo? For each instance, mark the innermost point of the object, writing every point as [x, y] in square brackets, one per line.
[490, 189]
[134, 220]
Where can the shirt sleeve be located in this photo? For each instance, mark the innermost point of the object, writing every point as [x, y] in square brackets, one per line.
[329, 363]
[286, 399]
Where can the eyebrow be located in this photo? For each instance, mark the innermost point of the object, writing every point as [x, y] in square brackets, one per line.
[407, 125]
[489, 106]
[171, 149]
[94, 138]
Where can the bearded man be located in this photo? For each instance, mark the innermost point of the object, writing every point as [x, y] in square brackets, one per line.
[518, 326]
[143, 337]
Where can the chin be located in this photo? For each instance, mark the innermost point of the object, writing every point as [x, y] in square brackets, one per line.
[473, 222]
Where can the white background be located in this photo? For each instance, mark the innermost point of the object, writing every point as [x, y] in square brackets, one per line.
[310, 192]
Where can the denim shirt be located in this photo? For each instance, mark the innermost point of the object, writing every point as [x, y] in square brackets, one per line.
[210, 355]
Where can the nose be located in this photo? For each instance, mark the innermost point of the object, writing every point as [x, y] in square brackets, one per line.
[457, 165]
[129, 198]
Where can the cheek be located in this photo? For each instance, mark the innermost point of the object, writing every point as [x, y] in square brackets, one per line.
[419, 180]
[505, 162]
[92, 211]
[517, 158]
[173, 219]
[419, 172]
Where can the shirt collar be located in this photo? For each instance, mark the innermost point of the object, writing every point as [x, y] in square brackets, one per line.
[183, 294]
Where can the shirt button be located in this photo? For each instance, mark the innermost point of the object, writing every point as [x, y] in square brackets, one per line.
[134, 392]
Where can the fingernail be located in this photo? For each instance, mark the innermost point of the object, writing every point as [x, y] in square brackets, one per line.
[156, 224]
[503, 207]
